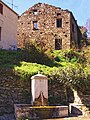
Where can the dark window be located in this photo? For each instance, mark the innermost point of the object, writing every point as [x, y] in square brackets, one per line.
[1, 8]
[0, 33]
[58, 14]
[59, 23]
[35, 25]
[73, 27]
[58, 44]
[35, 12]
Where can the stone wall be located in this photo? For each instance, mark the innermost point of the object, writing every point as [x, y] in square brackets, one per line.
[45, 17]
[12, 91]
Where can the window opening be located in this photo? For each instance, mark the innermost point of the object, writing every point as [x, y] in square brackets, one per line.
[59, 23]
[35, 25]
[35, 12]
[58, 44]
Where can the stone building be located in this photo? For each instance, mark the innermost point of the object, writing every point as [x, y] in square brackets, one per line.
[8, 27]
[50, 26]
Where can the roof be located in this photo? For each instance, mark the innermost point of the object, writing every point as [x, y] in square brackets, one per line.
[8, 7]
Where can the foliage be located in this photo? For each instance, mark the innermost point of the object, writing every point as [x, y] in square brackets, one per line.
[34, 53]
[74, 56]
[69, 68]
[26, 70]
[59, 56]
[10, 58]
[72, 76]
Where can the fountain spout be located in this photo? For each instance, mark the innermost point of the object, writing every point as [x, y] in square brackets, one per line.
[42, 99]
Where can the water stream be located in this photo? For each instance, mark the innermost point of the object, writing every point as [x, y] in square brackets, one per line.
[42, 98]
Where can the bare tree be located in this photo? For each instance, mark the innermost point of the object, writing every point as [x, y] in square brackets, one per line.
[88, 26]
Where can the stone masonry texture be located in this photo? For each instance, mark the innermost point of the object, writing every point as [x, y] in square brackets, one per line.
[50, 26]
[13, 90]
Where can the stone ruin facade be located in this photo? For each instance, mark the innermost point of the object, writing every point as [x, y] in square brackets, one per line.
[51, 27]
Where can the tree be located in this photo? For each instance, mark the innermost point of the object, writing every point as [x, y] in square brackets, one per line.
[84, 35]
[88, 27]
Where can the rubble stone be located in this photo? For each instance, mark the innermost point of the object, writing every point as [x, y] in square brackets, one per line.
[54, 27]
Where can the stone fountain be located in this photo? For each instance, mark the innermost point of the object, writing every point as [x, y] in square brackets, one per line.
[39, 108]
[39, 90]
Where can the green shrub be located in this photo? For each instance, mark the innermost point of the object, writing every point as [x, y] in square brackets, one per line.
[74, 56]
[34, 53]
[74, 77]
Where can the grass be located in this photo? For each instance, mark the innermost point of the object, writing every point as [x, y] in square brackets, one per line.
[10, 58]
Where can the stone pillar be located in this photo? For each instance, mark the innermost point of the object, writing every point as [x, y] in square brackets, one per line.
[39, 90]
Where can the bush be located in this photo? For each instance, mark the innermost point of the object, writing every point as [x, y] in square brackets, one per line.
[73, 77]
[34, 53]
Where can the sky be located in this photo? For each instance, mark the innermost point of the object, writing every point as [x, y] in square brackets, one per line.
[79, 8]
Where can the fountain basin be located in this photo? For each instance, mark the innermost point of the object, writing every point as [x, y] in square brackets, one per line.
[26, 111]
